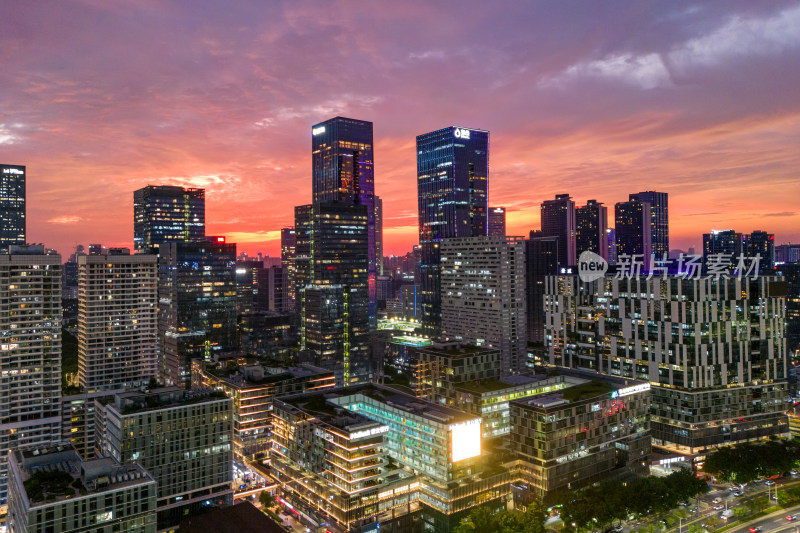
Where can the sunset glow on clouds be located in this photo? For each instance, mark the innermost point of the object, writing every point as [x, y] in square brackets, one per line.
[595, 99]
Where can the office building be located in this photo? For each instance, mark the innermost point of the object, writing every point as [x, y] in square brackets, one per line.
[266, 333]
[725, 242]
[541, 260]
[453, 198]
[713, 349]
[288, 252]
[196, 305]
[558, 220]
[251, 294]
[612, 246]
[252, 388]
[12, 206]
[30, 351]
[761, 244]
[369, 457]
[52, 489]
[497, 222]
[580, 433]
[182, 438]
[77, 420]
[592, 229]
[659, 220]
[165, 213]
[303, 228]
[787, 253]
[335, 300]
[632, 226]
[117, 320]
[483, 295]
[791, 275]
[343, 171]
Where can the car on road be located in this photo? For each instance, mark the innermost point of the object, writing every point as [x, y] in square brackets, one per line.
[716, 500]
[755, 530]
[692, 509]
[791, 518]
[737, 494]
[685, 504]
[769, 482]
[719, 507]
[793, 473]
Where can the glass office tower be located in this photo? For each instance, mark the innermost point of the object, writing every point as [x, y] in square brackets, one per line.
[164, 213]
[12, 205]
[453, 193]
[343, 171]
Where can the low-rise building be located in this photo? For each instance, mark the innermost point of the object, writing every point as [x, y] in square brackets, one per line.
[51, 489]
[252, 389]
[369, 456]
[78, 418]
[580, 434]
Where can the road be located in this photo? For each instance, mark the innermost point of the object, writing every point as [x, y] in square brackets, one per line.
[774, 523]
[706, 511]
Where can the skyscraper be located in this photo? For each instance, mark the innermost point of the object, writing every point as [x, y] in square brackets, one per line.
[12, 205]
[497, 222]
[196, 305]
[165, 213]
[339, 256]
[30, 358]
[659, 220]
[592, 229]
[117, 320]
[541, 259]
[288, 252]
[483, 295]
[762, 244]
[343, 171]
[453, 195]
[632, 221]
[558, 219]
[725, 242]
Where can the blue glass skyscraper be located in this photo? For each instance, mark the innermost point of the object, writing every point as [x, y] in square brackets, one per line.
[453, 192]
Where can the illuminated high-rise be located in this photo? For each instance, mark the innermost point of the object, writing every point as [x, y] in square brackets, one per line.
[592, 229]
[165, 213]
[117, 320]
[12, 205]
[659, 220]
[196, 305]
[453, 196]
[30, 358]
[558, 220]
[288, 252]
[632, 224]
[497, 222]
[343, 171]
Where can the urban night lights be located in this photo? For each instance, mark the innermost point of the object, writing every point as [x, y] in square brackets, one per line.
[399, 267]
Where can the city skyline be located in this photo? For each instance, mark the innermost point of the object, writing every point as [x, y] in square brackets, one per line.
[693, 100]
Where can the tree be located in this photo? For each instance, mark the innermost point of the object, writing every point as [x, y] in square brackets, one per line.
[267, 500]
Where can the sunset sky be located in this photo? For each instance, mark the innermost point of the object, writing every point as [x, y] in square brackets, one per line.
[596, 99]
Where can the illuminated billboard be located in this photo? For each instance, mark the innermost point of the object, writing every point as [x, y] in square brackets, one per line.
[465, 440]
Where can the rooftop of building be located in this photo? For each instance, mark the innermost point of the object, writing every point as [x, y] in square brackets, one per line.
[57, 472]
[334, 402]
[240, 518]
[507, 382]
[457, 349]
[258, 375]
[139, 401]
[586, 385]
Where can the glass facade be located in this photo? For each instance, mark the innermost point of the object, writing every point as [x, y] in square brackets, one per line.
[12, 205]
[196, 305]
[659, 219]
[343, 171]
[166, 213]
[453, 201]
